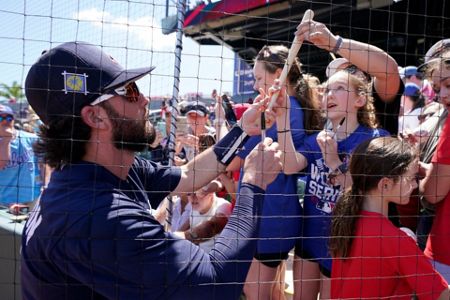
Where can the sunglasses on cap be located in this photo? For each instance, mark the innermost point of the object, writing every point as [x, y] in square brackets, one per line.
[130, 92]
[6, 118]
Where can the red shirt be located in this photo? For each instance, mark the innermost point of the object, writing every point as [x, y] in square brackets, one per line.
[383, 263]
[438, 244]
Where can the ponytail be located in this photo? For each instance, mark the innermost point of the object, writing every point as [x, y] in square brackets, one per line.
[345, 215]
[371, 161]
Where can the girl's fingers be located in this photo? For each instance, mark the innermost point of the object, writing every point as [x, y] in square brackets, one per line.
[262, 92]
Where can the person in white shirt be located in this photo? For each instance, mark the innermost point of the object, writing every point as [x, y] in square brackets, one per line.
[410, 74]
[412, 103]
[209, 216]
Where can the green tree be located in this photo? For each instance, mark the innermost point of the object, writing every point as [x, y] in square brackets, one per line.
[12, 92]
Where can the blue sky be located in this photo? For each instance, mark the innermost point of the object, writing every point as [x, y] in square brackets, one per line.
[128, 30]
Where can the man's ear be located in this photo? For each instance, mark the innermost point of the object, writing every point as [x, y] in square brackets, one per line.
[95, 117]
[385, 185]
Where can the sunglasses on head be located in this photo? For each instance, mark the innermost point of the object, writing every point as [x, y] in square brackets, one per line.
[130, 92]
[428, 68]
[6, 118]
[352, 69]
[266, 55]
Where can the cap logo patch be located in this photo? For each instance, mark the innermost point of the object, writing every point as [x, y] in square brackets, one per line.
[75, 83]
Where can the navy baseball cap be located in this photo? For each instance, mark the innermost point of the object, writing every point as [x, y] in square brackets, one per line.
[72, 75]
[411, 89]
[6, 110]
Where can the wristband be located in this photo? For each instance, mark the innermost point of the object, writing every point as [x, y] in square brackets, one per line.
[283, 131]
[338, 45]
[342, 169]
[227, 148]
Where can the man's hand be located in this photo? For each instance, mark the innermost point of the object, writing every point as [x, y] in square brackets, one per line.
[263, 164]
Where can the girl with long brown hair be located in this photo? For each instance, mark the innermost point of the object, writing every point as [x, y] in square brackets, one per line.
[371, 257]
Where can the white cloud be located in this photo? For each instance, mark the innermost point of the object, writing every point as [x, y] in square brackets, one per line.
[144, 29]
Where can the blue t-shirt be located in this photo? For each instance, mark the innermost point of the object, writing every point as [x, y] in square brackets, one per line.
[20, 180]
[92, 236]
[320, 197]
[280, 219]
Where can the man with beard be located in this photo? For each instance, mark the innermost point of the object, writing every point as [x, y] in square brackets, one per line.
[92, 235]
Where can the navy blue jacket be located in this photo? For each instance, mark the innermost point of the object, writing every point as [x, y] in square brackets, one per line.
[92, 236]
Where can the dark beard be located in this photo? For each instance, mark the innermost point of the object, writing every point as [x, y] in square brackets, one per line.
[130, 135]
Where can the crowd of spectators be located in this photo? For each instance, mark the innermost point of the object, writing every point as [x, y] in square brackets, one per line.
[410, 107]
[22, 175]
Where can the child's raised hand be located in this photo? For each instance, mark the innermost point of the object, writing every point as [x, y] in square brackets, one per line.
[281, 104]
[329, 147]
[219, 110]
[251, 119]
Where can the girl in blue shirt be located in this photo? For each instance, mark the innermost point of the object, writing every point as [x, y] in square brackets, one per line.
[280, 217]
[349, 108]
